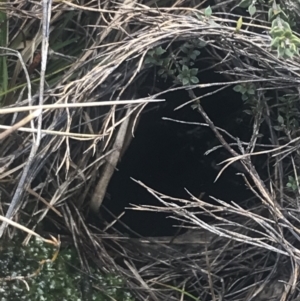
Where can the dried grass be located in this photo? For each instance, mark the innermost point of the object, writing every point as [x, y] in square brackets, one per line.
[74, 121]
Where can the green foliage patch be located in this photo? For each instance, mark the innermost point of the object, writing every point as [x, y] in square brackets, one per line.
[177, 64]
[23, 277]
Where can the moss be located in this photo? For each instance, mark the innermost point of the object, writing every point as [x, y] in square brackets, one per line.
[24, 278]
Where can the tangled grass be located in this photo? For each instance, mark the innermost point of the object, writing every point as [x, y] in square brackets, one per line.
[61, 125]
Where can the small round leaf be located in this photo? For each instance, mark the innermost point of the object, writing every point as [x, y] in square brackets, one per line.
[280, 119]
[252, 10]
[237, 88]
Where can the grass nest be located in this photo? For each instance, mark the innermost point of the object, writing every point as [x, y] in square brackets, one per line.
[71, 73]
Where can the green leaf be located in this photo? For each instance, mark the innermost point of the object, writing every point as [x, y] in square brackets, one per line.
[185, 68]
[244, 97]
[270, 14]
[275, 42]
[151, 52]
[160, 71]
[148, 60]
[166, 61]
[237, 88]
[239, 24]
[245, 3]
[185, 81]
[280, 51]
[248, 112]
[159, 51]
[277, 128]
[193, 57]
[194, 71]
[294, 49]
[184, 61]
[184, 49]
[251, 91]
[252, 10]
[194, 80]
[243, 89]
[201, 43]
[208, 11]
[277, 31]
[295, 40]
[180, 77]
[286, 26]
[288, 53]
[280, 119]
[275, 23]
[195, 54]
[189, 46]
[288, 34]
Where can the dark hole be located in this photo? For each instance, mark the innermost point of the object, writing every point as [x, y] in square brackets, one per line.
[169, 157]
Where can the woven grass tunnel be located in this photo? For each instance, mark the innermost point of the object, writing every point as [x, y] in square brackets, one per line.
[67, 120]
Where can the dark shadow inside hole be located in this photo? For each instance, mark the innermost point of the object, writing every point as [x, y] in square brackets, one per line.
[169, 158]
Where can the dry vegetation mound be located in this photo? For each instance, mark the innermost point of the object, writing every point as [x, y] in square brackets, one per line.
[70, 78]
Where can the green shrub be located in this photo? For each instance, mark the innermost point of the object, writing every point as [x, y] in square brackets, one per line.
[23, 277]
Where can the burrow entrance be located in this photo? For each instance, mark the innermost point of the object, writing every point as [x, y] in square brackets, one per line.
[169, 157]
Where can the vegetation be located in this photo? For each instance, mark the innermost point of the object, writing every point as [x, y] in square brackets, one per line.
[60, 62]
[36, 272]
